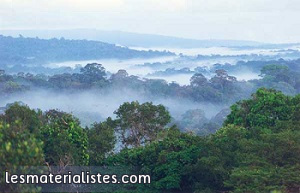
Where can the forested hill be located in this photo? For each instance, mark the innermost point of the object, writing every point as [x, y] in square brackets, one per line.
[15, 51]
[132, 39]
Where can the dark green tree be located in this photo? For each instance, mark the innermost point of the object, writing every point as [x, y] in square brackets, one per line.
[19, 149]
[165, 161]
[93, 73]
[276, 73]
[267, 155]
[65, 141]
[31, 119]
[139, 124]
[198, 79]
[264, 109]
[102, 141]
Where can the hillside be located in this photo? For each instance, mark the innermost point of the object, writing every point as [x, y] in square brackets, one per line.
[131, 39]
[23, 51]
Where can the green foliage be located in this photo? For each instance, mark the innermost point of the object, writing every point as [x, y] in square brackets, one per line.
[276, 72]
[93, 73]
[164, 161]
[264, 109]
[257, 150]
[220, 88]
[20, 144]
[268, 164]
[268, 158]
[195, 121]
[18, 147]
[280, 77]
[139, 124]
[101, 142]
[29, 118]
[65, 141]
[216, 159]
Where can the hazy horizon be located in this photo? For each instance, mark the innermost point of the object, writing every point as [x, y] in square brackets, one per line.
[122, 31]
[194, 19]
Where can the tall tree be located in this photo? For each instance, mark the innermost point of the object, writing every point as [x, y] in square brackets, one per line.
[93, 72]
[102, 141]
[65, 141]
[139, 124]
[19, 149]
[17, 111]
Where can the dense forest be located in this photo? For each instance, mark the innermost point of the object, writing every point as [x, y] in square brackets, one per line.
[256, 150]
[220, 90]
[216, 134]
[150, 96]
[221, 87]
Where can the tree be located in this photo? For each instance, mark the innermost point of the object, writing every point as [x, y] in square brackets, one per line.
[193, 120]
[223, 81]
[268, 163]
[266, 107]
[21, 146]
[93, 73]
[64, 81]
[276, 73]
[257, 150]
[101, 142]
[166, 161]
[19, 149]
[139, 124]
[65, 141]
[31, 119]
[216, 158]
[198, 79]
[279, 77]
[119, 76]
[267, 156]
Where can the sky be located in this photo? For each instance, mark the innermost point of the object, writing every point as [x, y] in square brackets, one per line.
[273, 21]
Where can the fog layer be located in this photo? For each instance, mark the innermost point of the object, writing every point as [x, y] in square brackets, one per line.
[94, 106]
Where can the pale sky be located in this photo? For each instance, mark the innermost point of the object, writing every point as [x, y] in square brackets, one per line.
[261, 20]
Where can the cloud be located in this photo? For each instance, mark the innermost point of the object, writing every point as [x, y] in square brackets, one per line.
[152, 5]
[60, 5]
[243, 5]
[169, 5]
[261, 20]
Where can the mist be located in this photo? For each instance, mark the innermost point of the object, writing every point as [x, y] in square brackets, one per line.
[223, 51]
[94, 106]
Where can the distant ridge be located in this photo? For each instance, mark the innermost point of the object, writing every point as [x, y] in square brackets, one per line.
[37, 51]
[130, 39]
